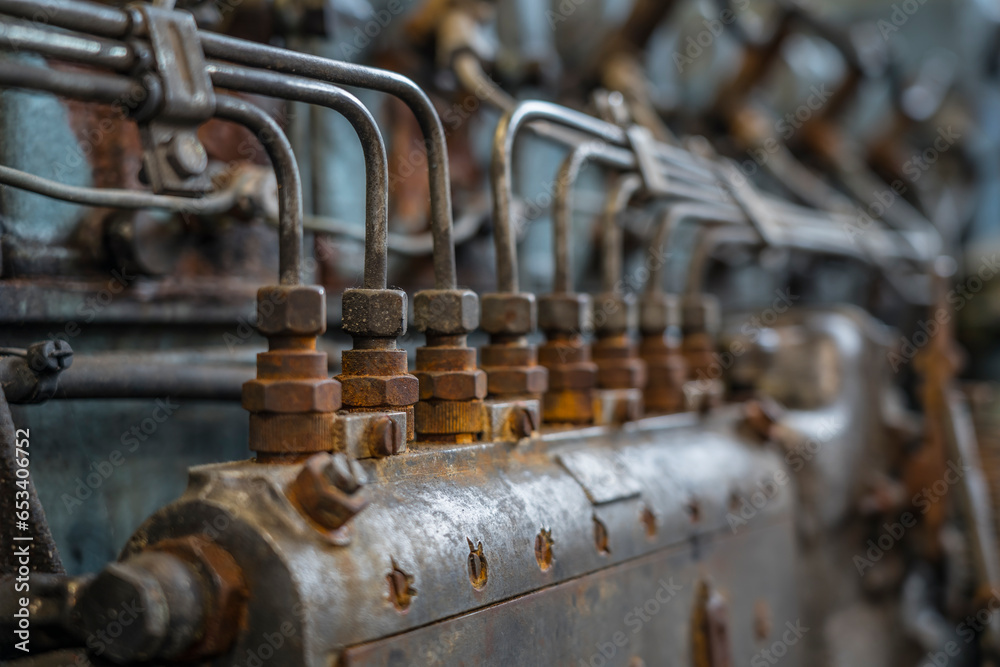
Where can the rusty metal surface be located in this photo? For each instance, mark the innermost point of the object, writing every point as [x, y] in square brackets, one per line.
[498, 494]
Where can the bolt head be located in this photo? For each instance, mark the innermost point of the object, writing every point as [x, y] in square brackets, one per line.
[372, 391]
[518, 380]
[614, 313]
[50, 356]
[452, 385]
[658, 312]
[187, 155]
[376, 313]
[509, 313]
[571, 313]
[291, 310]
[328, 489]
[451, 312]
[292, 396]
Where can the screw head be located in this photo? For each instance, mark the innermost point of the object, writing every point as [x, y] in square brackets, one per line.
[387, 437]
[187, 155]
[50, 356]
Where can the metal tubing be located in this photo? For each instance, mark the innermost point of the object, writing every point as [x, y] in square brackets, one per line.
[112, 198]
[17, 36]
[349, 74]
[86, 87]
[286, 170]
[87, 17]
[136, 376]
[562, 213]
[624, 189]
[314, 92]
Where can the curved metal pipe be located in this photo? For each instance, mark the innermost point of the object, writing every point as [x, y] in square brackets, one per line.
[84, 16]
[286, 169]
[83, 86]
[376, 169]
[626, 187]
[562, 213]
[350, 74]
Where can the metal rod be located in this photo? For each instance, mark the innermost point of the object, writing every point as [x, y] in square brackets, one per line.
[17, 36]
[87, 17]
[622, 192]
[349, 74]
[136, 376]
[86, 87]
[314, 92]
[218, 202]
[269, 133]
[562, 213]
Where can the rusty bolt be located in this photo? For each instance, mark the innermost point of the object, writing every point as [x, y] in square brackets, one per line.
[614, 313]
[452, 385]
[760, 416]
[291, 310]
[376, 313]
[451, 312]
[518, 380]
[509, 313]
[370, 391]
[291, 396]
[386, 437]
[523, 422]
[328, 489]
[187, 155]
[621, 374]
[566, 312]
[49, 356]
[658, 313]
[573, 376]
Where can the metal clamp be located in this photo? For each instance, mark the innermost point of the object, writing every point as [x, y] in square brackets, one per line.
[174, 159]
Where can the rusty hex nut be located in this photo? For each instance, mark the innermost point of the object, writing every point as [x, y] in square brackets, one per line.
[376, 313]
[700, 313]
[582, 375]
[614, 313]
[291, 310]
[518, 380]
[450, 312]
[292, 396]
[509, 313]
[565, 312]
[658, 312]
[329, 489]
[621, 374]
[372, 391]
[452, 385]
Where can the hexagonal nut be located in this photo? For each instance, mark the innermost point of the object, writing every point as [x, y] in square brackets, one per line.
[573, 376]
[328, 490]
[658, 312]
[291, 310]
[700, 313]
[450, 312]
[372, 391]
[614, 313]
[518, 380]
[565, 312]
[292, 396]
[377, 313]
[509, 313]
[452, 385]
[622, 374]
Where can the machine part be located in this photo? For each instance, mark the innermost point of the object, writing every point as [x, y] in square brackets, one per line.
[292, 402]
[32, 375]
[328, 491]
[510, 362]
[565, 317]
[660, 348]
[700, 322]
[364, 435]
[510, 421]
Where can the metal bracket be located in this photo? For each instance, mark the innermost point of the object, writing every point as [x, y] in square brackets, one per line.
[174, 160]
[642, 142]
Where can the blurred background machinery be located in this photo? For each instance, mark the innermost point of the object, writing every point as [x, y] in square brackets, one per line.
[582, 332]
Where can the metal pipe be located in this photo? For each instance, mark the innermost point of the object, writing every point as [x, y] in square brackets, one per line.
[624, 189]
[217, 202]
[87, 17]
[562, 213]
[136, 376]
[20, 36]
[269, 133]
[350, 74]
[83, 86]
[377, 174]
